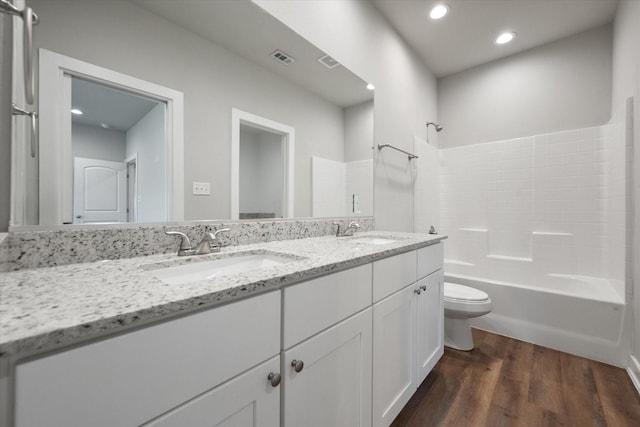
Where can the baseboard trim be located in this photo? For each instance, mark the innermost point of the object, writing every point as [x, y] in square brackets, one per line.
[634, 372]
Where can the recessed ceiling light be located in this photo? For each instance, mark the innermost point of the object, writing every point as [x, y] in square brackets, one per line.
[505, 37]
[439, 11]
[76, 111]
[370, 86]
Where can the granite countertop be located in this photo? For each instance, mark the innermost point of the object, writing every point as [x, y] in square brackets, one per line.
[46, 308]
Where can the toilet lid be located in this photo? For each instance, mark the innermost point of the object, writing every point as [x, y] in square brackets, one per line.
[461, 292]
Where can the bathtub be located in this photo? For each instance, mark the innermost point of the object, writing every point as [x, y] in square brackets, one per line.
[576, 314]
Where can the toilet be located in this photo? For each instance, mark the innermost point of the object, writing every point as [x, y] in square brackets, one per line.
[461, 303]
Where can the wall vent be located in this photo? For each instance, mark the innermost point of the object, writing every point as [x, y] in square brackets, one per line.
[328, 62]
[282, 57]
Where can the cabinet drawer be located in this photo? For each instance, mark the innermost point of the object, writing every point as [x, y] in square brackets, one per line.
[392, 274]
[312, 306]
[133, 377]
[430, 259]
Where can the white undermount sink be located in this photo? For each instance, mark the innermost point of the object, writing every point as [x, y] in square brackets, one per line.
[202, 270]
[373, 240]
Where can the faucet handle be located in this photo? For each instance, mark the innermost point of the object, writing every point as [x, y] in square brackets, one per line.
[185, 243]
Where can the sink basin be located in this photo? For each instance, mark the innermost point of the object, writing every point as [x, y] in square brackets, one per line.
[373, 240]
[203, 270]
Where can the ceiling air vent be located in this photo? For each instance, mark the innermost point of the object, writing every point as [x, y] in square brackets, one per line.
[282, 57]
[328, 62]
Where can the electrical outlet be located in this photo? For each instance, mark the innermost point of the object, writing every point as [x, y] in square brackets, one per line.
[201, 188]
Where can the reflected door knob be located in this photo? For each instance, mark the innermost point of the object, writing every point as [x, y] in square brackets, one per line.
[274, 379]
[417, 291]
[298, 365]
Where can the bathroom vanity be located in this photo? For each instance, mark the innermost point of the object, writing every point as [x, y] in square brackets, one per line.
[340, 331]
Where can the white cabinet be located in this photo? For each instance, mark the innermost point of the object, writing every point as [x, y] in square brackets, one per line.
[132, 378]
[327, 350]
[327, 378]
[407, 330]
[393, 273]
[314, 305]
[393, 355]
[244, 401]
[429, 328]
[350, 348]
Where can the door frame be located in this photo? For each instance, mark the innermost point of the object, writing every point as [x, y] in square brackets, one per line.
[239, 117]
[132, 199]
[56, 175]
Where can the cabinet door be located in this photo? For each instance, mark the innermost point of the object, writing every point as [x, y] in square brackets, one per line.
[131, 378]
[393, 355]
[333, 388]
[248, 400]
[429, 324]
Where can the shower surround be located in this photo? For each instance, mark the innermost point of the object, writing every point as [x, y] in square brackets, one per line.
[540, 224]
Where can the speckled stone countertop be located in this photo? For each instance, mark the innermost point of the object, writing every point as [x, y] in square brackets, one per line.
[46, 308]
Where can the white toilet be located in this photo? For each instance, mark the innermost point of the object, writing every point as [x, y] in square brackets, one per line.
[460, 304]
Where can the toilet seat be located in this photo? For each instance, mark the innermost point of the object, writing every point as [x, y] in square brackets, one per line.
[459, 293]
[463, 302]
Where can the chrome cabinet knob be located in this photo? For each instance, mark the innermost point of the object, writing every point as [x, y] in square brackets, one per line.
[417, 291]
[274, 379]
[423, 287]
[298, 365]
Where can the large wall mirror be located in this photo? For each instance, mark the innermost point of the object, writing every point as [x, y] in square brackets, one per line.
[220, 57]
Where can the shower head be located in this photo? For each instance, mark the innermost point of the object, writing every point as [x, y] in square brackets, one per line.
[435, 125]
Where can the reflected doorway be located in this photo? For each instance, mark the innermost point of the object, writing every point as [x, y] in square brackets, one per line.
[261, 167]
[261, 173]
[112, 131]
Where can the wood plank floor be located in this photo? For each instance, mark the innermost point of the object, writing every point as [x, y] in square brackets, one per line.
[506, 382]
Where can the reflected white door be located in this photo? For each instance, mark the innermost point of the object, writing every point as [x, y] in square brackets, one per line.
[99, 191]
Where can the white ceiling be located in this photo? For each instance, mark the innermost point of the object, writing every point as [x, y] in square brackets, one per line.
[244, 28]
[100, 104]
[465, 37]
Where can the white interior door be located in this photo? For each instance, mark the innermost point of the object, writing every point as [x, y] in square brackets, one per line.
[99, 191]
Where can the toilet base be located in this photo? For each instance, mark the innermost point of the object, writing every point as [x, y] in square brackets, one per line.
[457, 334]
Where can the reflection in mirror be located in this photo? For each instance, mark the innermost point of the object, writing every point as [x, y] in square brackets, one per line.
[218, 54]
[261, 177]
[118, 149]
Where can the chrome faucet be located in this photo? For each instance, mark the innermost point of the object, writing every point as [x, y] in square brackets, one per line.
[338, 229]
[353, 226]
[185, 243]
[210, 242]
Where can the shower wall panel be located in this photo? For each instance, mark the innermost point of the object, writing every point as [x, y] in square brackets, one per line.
[527, 207]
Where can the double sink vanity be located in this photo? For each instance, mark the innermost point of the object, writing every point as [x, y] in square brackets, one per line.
[316, 331]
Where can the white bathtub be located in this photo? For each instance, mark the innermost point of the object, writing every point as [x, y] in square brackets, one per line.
[575, 314]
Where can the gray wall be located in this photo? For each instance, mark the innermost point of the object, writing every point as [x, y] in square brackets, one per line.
[626, 83]
[356, 35]
[358, 131]
[123, 37]
[261, 172]
[147, 138]
[97, 143]
[558, 86]
[6, 40]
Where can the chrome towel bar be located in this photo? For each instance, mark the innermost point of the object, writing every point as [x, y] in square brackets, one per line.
[411, 155]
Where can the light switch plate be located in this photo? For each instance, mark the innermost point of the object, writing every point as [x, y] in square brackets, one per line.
[201, 188]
